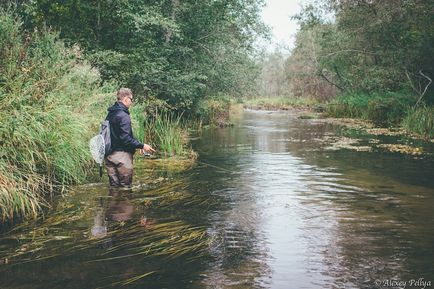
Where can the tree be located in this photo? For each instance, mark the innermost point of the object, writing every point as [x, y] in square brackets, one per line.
[176, 50]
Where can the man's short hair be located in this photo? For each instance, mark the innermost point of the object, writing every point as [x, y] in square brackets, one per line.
[124, 92]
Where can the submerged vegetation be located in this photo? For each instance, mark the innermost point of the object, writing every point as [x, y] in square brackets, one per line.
[124, 239]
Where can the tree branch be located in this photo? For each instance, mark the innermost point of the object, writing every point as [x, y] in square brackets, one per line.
[329, 81]
[426, 87]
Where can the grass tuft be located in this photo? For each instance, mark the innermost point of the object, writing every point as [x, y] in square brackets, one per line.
[420, 120]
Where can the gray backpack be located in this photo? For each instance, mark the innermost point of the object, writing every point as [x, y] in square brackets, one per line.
[104, 131]
[100, 145]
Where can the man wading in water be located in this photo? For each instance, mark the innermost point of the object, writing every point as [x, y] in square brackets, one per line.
[119, 163]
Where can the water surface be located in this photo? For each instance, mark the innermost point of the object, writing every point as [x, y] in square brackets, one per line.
[267, 205]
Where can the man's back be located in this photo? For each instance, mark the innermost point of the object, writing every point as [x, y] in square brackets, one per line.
[121, 132]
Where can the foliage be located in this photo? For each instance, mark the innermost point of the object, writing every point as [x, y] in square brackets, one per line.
[49, 99]
[273, 80]
[303, 67]
[176, 51]
[373, 46]
[385, 109]
[213, 110]
[420, 120]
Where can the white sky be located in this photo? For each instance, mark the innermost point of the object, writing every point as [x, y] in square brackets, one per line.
[277, 14]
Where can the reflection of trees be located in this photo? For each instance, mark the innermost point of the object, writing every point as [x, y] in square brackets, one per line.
[378, 205]
[372, 223]
[237, 247]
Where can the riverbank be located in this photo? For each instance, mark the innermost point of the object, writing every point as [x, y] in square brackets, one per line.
[383, 115]
[406, 142]
[279, 103]
[52, 103]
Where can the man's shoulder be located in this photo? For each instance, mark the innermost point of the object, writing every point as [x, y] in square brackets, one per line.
[120, 116]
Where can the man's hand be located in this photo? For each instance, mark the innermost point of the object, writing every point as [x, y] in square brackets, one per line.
[147, 149]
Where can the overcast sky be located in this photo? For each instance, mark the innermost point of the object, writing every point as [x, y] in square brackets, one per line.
[277, 15]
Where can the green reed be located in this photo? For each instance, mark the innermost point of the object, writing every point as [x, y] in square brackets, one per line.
[420, 120]
[50, 102]
[383, 109]
[162, 129]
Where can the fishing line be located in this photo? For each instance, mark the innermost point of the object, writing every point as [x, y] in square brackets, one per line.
[200, 162]
[217, 167]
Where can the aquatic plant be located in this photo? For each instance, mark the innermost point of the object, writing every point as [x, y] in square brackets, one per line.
[66, 231]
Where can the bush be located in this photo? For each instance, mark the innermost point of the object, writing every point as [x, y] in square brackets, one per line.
[387, 111]
[50, 100]
[213, 110]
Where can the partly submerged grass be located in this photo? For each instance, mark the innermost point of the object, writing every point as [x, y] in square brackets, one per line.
[389, 109]
[65, 231]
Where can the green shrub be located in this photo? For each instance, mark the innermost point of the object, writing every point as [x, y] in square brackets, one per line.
[213, 110]
[50, 102]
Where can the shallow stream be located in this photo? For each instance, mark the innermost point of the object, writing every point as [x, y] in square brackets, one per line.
[270, 203]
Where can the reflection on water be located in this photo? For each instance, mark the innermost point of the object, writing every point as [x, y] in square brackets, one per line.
[266, 206]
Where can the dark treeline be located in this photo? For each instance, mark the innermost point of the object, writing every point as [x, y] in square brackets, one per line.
[175, 50]
[361, 46]
[375, 56]
[369, 46]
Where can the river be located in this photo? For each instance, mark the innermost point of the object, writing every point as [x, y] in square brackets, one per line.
[268, 204]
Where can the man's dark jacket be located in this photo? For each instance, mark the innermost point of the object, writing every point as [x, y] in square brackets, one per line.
[121, 132]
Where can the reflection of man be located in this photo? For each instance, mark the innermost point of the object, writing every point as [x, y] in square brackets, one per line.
[99, 229]
[119, 163]
[120, 209]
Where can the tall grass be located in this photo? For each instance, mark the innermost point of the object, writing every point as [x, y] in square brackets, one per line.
[386, 109]
[162, 129]
[50, 100]
[420, 120]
